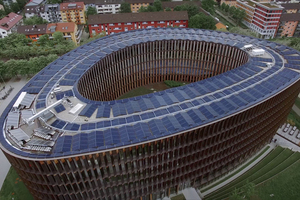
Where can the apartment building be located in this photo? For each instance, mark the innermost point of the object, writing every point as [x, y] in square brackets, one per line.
[289, 21]
[73, 12]
[51, 13]
[33, 31]
[135, 5]
[108, 6]
[69, 30]
[34, 10]
[261, 17]
[9, 23]
[117, 23]
[228, 2]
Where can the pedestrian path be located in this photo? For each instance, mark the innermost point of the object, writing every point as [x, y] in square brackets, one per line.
[190, 194]
[225, 182]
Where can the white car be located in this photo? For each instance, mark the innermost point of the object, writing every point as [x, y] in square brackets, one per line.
[285, 129]
[298, 136]
[291, 132]
[294, 128]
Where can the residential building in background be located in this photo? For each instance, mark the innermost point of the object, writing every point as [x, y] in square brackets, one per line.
[289, 21]
[135, 5]
[116, 23]
[33, 31]
[9, 23]
[228, 2]
[262, 17]
[33, 10]
[51, 13]
[69, 29]
[68, 138]
[108, 6]
[73, 12]
[173, 4]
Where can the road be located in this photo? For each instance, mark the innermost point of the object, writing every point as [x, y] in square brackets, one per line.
[17, 85]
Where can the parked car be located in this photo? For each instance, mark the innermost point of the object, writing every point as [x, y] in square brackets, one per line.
[285, 129]
[294, 128]
[298, 136]
[291, 132]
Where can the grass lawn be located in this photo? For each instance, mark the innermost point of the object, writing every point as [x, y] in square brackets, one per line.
[178, 197]
[285, 185]
[277, 161]
[237, 171]
[136, 92]
[295, 118]
[13, 187]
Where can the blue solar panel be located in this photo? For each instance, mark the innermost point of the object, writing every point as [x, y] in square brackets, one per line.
[58, 123]
[72, 127]
[103, 111]
[88, 110]
[119, 109]
[132, 107]
[173, 109]
[161, 112]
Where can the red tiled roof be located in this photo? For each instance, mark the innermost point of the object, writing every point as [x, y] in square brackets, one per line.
[71, 6]
[65, 27]
[9, 21]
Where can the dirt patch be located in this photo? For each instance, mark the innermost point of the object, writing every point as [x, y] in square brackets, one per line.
[157, 86]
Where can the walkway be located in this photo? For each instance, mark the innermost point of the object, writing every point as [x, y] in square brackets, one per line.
[226, 17]
[17, 85]
[272, 146]
[190, 194]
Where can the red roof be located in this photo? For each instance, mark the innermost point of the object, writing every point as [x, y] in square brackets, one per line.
[10, 21]
[72, 6]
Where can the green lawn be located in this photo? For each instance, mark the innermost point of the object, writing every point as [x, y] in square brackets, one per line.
[285, 185]
[237, 171]
[295, 118]
[277, 161]
[136, 92]
[178, 197]
[13, 187]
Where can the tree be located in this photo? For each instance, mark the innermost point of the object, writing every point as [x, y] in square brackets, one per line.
[202, 21]
[2, 14]
[15, 7]
[91, 11]
[191, 9]
[157, 4]
[54, 1]
[43, 39]
[35, 20]
[125, 8]
[208, 5]
[232, 10]
[168, 9]
[226, 8]
[21, 3]
[223, 5]
[58, 37]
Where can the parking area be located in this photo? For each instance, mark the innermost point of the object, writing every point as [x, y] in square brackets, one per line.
[290, 132]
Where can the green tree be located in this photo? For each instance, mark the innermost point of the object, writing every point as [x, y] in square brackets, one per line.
[202, 21]
[54, 1]
[2, 14]
[34, 21]
[15, 7]
[91, 11]
[21, 3]
[168, 9]
[125, 8]
[226, 8]
[143, 9]
[151, 9]
[43, 40]
[223, 5]
[191, 9]
[157, 4]
[208, 5]
[232, 10]
[58, 37]
[235, 195]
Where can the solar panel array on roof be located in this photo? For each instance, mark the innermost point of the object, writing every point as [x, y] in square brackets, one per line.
[151, 116]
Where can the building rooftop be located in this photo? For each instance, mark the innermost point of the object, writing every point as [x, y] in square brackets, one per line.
[65, 27]
[137, 17]
[71, 6]
[35, 9]
[69, 124]
[10, 21]
[32, 29]
[97, 2]
[290, 17]
[289, 6]
[139, 1]
[173, 4]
